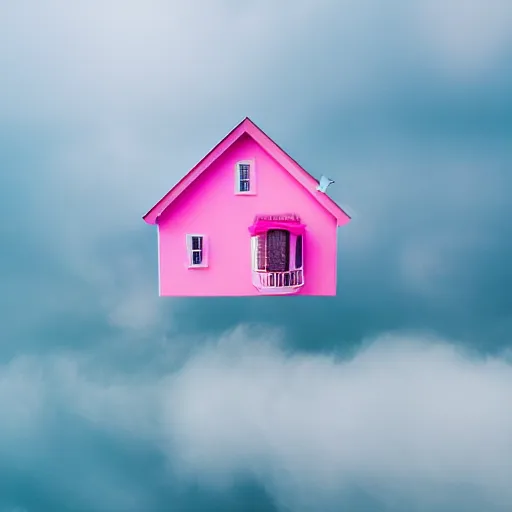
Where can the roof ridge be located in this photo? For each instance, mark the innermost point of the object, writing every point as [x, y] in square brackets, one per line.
[303, 177]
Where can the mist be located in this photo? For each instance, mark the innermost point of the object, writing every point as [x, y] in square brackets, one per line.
[410, 422]
[407, 422]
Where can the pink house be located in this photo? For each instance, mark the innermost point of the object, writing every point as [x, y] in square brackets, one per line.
[247, 220]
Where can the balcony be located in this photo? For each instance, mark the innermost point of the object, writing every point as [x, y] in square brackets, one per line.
[278, 283]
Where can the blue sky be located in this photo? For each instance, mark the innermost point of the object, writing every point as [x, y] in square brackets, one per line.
[391, 397]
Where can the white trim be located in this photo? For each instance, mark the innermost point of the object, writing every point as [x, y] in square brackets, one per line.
[204, 250]
[252, 178]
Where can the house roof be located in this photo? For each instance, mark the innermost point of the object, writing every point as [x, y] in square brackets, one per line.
[286, 161]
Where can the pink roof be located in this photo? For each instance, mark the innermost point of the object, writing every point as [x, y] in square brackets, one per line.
[286, 161]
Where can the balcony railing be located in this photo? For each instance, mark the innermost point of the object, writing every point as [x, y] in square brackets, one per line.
[290, 278]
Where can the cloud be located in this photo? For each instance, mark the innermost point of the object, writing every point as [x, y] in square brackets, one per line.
[106, 104]
[59, 416]
[409, 422]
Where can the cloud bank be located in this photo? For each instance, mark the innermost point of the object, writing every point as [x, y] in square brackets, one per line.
[408, 423]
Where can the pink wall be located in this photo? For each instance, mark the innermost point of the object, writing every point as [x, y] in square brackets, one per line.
[210, 207]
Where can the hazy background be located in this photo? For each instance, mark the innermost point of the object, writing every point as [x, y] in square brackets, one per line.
[395, 396]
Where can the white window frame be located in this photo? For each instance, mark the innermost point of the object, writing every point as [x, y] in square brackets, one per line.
[204, 250]
[252, 178]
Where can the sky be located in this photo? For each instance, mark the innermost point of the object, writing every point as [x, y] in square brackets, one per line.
[394, 396]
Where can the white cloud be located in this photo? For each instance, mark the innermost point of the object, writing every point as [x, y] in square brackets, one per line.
[409, 419]
[404, 418]
[134, 93]
[38, 398]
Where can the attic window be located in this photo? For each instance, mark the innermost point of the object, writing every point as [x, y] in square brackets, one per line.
[245, 181]
[244, 178]
[197, 251]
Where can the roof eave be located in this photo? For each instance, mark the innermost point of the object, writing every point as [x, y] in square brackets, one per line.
[151, 217]
[248, 126]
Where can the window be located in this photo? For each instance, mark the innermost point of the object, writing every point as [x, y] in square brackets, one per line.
[244, 178]
[271, 251]
[197, 254]
[260, 252]
[298, 252]
[278, 250]
[197, 250]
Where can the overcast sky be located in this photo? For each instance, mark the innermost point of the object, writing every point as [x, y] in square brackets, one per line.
[394, 396]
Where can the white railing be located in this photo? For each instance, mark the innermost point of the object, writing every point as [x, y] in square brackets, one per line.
[290, 278]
